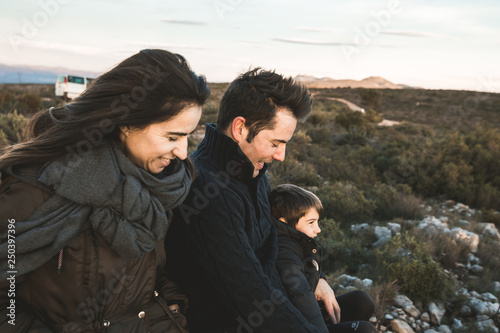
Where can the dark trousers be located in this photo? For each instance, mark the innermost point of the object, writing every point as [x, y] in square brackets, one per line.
[356, 309]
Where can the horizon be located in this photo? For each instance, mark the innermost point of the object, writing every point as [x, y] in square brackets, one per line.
[450, 45]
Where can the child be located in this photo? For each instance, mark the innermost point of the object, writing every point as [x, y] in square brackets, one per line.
[297, 212]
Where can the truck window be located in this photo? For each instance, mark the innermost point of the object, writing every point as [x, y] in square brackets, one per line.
[76, 79]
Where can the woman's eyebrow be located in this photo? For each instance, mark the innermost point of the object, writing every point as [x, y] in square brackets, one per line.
[179, 133]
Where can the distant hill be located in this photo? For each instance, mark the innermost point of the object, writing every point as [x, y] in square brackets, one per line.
[372, 82]
[36, 74]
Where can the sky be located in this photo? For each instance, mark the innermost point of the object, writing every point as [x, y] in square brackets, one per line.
[439, 44]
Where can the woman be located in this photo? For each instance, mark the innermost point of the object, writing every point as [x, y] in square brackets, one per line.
[88, 197]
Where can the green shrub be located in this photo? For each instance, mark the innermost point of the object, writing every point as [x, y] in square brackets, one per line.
[392, 203]
[345, 203]
[371, 98]
[13, 126]
[411, 265]
[291, 171]
[3, 139]
[32, 101]
[443, 248]
[343, 250]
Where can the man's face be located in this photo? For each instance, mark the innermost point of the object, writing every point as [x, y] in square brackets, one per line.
[269, 144]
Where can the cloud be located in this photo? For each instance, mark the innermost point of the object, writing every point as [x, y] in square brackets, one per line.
[59, 47]
[183, 22]
[408, 33]
[309, 42]
[167, 45]
[323, 43]
[317, 29]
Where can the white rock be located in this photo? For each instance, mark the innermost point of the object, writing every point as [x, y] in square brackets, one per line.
[495, 286]
[347, 280]
[465, 310]
[383, 234]
[367, 283]
[412, 310]
[463, 223]
[436, 312]
[489, 297]
[472, 259]
[484, 308]
[476, 269]
[433, 225]
[394, 227]
[425, 317]
[401, 326]
[388, 317]
[457, 324]
[490, 230]
[466, 237]
[464, 209]
[360, 227]
[430, 331]
[402, 300]
[444, 329]
[486, 324]
[426, 326]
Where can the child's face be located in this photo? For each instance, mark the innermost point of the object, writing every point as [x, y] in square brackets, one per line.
[308, 224]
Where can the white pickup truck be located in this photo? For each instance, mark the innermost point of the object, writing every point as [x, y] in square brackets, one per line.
[70, 86]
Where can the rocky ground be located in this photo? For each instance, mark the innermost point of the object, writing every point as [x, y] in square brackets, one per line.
[479, 312]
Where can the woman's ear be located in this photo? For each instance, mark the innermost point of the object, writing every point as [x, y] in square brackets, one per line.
[238, 129]
[282, 219]
[125, 130]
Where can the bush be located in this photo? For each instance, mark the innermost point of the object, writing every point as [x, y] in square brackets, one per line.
[392, 203]
[13, 126]
[344, 251]
[32, 101]
[383, 296]
[411, 265]
[291, 171]
[443, 248]
[345, 203]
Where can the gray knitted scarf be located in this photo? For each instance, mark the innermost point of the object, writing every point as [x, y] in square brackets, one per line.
[129, 207]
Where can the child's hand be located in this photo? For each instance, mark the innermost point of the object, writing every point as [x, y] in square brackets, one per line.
[324, 293]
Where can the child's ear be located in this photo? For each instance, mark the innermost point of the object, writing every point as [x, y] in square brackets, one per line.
[282, 219]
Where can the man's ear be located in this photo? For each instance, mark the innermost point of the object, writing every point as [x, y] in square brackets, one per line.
[282, 219]
[238, 129]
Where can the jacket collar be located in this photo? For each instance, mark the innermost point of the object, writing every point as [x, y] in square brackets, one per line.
[285, 229]
[226, 154]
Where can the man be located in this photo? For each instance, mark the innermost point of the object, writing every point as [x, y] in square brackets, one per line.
[222, 245]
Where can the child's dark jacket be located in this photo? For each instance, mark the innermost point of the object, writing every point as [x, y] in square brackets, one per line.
[299, 260]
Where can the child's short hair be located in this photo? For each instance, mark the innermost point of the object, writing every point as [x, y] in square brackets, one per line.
[292, 202]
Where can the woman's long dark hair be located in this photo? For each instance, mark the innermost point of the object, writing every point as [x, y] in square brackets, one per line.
[149, 87]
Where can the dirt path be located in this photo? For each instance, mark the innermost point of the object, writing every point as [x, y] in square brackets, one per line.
[350, 105]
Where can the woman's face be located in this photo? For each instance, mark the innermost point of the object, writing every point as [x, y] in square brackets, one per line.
[153, 147]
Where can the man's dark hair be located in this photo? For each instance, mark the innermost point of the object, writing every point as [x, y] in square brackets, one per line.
[292, 202]
[256, 96]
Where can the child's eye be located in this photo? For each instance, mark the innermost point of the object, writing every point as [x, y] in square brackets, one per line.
[274, 145]
[172, 139]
